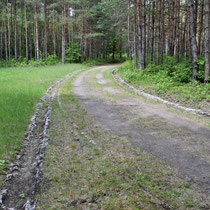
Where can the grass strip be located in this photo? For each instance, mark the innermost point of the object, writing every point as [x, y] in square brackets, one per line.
[155, 80]
[20, 90]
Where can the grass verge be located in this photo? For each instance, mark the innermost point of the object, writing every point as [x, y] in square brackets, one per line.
[110, 174]
[169, 81]
[20, 89]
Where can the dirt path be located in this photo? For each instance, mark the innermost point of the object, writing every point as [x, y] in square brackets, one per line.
[88, 165]
[182, 143]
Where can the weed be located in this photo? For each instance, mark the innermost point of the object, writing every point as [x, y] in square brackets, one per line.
[187, 185]
[2, 162]
[188, 202]
[22, 195]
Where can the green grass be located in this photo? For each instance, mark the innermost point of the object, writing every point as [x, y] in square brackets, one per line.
[108, 74]
[169, 81]
[20, 89]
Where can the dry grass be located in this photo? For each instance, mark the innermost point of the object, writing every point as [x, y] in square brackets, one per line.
[110, 174]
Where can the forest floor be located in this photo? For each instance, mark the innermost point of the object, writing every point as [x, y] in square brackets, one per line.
[111, 149]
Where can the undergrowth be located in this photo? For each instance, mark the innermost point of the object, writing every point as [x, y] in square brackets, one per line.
[169, 80]
[22, 62]
[101, 61]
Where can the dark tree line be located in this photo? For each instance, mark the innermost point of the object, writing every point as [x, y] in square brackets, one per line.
[95, 29]
[174, 27]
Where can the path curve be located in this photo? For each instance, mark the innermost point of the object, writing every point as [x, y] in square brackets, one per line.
[181, 143]
[120, 81]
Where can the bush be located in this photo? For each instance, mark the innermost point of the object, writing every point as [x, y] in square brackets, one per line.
[200, 74]
[50, 60]
[101, 61]
[72, 53]
[22, 62]
[169, 78]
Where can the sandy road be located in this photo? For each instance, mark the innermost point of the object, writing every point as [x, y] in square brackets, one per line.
[182, 143]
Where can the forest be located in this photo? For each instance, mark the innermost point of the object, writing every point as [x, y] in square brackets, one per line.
[48, 31]
[104, 104]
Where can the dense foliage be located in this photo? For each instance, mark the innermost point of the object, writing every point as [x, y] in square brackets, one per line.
[38, 32]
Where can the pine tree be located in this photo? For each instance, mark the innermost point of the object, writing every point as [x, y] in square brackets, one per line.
[207, 42]
[191, 5]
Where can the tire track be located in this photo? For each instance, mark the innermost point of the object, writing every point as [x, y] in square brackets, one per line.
[25, 172]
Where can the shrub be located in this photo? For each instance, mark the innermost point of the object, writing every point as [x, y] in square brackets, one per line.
[72, 53]
[169, 78]
[50, 60]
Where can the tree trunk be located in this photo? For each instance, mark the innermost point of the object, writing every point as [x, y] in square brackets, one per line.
[148, 26]
[121, 46]
[143, 39]
[158, 31]
[152, 32]
[9, 41]
[81, 40]
[45, 30]
[97, 49]
[200, 27]
[90, 50]
[63, 34]
[22, 30]
[26, 33]
[193, 38]
[12, 28]
[196, 15]
[30, 32]
[1, 39]
[15, 25]
[54, 37]
[21, 34]
[1, 45]
[5, 41]
[135, 37]
[178, 32]
[139, 30]
[85, 25]
[36, 33]
[183, 41]
[128, 28]
[69, 26]
[113, 50]
[171, 28]
[189, 47]
[163, 30]
[207, 42]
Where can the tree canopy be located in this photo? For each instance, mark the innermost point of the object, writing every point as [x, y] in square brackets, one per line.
[80, 30]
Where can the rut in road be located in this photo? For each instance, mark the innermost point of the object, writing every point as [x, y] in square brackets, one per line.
[25, 172]
[179, 141]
